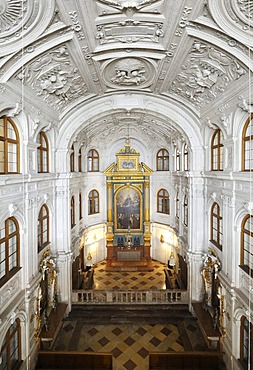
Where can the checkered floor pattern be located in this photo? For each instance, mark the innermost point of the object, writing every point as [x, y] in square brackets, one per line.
[145, 280]
[129, 344]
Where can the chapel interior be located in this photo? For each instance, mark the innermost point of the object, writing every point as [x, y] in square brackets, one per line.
[126, 187]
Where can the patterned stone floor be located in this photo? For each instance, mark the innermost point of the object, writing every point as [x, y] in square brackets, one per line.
[130, 344]
[104, 280]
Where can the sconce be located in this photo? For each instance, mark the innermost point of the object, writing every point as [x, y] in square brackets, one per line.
[89, 258]
[162, 238]
[172, 260]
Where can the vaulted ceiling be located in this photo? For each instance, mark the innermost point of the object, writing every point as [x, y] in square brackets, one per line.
[94, 67]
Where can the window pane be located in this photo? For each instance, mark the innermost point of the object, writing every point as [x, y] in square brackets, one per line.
[1, 127]
[10, 131]
[1, 156]
[11, 226]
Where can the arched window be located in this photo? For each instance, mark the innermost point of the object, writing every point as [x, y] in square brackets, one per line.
[43, 228]
[246, 343]
[80, 207]
[42, 153]
[185, 210]
[247, 145]
[9, 249]
[162, 160]
[93, 202]
[186, 158]
[246, 245]
[217, 151]
[11, 348]
[163, 201]
[177, 160]
[72, 159]
[80, 160]
[216, 227]
[177, 205]
[72, 212]
[93, 161]
[9, 146]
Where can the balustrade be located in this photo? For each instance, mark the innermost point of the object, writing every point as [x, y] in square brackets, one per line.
[129, 296]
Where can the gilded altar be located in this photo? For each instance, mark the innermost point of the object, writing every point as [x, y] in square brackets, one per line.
[128, 212]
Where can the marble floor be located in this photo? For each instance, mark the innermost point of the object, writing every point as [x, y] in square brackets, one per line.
[130, 344]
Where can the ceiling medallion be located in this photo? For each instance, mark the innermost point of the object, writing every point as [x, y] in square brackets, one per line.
[243, 10]
[11, 13]
[132, 72]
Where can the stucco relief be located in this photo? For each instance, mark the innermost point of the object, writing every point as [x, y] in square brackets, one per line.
[122, 4]
[206, 74]
[129, 31]
[132, 72]
[54, 78]
[18, 17]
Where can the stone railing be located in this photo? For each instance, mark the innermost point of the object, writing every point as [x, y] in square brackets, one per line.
[129, 297]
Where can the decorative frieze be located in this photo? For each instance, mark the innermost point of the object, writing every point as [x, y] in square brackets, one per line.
[76, 25]
[183, 21]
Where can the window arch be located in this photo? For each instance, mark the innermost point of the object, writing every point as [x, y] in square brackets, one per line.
[80, 160]
[177, 160]
[42, 153]
[177, 205]
[247, 145]
[9, 249]
[217, 151]
[246, 343]
[186, 210]
[43, 228]
[11, 349]
[163, 201]
[93, 161]
[162, 160]
[93, 202]
[72, 159]
[9, 146]
[216, 226]
[186, 158]
[80, 207]
[72, 212]
[246, 245]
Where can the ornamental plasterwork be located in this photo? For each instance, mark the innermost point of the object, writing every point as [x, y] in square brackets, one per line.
[18, 17]
[206, 74]
[130, 31]
[122, 4]
[234, 17]
[129, 72]
[54, 77]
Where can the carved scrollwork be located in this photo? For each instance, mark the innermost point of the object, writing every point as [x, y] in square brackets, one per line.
[122, 4]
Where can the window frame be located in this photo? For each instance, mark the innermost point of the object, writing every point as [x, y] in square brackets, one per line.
[80, 207]
[80, 167]
[72, 159]
[186, 158]
[161, 160]
[6, 142]
[93, 202]
[163, 201]
[93, 158]
[248, 341]
[8, 346]
[219, 148]
[6, 241]
[41, 219]
[177, 156]
[216, 215]
[41, 150]
[244, 140]
[244, 231]
[72, 212]
[177, 205]
[186, 213]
